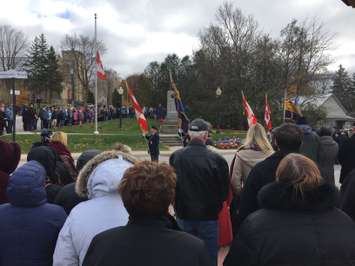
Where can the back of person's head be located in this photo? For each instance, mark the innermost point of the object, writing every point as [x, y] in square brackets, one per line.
[26, 185]
[147, 189]
[122, 147]
[288, 137]
[85, 157]
[61, 137]
[257, 136]
[46, 156]
[10, 154]
[199, 129]
[325, 131]
[299, 171]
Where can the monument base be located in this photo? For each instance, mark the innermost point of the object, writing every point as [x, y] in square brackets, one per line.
[169, 129]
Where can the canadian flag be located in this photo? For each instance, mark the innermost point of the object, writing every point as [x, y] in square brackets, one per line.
[142, 121]
[267, 114]
[99, 68]
[249, 112]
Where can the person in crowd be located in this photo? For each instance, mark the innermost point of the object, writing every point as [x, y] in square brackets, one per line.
[10, 154]
[9, 115]
[67, 197]
[44, 116]
[59, 142]
[153, 144]
[103, 210]
[2, 118]
[147, 189]
[348, 195]
[50, 160]
[346, 157]
[299, 223]
[328, 154]
[286, 139]
[310, 144]
[29, 226]
[255, 149]
[45, 138]
[202, 187]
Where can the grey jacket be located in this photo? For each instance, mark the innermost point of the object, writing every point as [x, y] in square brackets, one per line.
[327, 156]
[245, 160]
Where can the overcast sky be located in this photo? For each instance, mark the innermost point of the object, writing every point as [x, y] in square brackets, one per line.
[137, 32]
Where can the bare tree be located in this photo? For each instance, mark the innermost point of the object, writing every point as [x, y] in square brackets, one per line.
[304, 48]
[13, 45]
[83, 52]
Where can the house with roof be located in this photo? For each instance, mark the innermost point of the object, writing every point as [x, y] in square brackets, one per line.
[336, 114]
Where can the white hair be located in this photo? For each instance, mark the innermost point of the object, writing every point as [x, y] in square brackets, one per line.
[197, 134]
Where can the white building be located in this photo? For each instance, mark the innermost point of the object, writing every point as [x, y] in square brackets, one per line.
[337, 115]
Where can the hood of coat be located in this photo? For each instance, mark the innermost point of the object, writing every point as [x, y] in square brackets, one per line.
[26, 185]
[102, 175]
[282, 196]
[251, 157]
[10, 154]
[46, 156]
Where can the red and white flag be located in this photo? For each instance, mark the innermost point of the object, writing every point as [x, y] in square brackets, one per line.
[249, 112]
[142, 121]
[99, 68]
[267, 114]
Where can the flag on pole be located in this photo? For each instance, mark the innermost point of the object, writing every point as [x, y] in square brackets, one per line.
[267, 114]
[142, 121]
[184, 120]
[248, 112]
[99, 67]
[291, 110]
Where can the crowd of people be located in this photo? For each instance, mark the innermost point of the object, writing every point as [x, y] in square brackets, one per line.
[276, 204]
[58, 116]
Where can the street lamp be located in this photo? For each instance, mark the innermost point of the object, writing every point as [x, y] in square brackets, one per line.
[120, 92]
[218, 95]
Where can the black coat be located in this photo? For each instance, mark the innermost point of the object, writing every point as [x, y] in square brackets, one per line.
[146, 243]
[202, 182]
[348, 195]
[263, 173]
[67, 198]
[153, 144]
[295, 231]
[347, 157]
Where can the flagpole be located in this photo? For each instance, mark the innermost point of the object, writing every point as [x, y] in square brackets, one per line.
[95, 43]
[285, 97]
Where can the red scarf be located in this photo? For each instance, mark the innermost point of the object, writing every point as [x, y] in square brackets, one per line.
[60, 149]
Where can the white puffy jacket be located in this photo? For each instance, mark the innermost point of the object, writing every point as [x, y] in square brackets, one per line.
[104, 210]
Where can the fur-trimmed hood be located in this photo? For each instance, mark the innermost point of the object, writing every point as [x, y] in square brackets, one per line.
[282, 196]
[102, 174]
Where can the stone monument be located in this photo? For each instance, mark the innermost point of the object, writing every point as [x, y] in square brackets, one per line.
[170, 123]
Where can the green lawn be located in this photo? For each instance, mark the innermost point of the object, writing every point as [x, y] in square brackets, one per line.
[129, 135]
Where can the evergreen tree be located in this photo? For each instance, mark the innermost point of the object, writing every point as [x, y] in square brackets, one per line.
[342, 89]
[55, 78]
[37, 65]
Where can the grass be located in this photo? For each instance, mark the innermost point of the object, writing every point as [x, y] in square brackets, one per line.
[129, 135]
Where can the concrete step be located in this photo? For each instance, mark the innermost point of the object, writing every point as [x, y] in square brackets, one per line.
[170, 139]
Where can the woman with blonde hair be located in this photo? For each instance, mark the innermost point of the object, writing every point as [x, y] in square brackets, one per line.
[255, 149]
[298, 223]
[59, 142]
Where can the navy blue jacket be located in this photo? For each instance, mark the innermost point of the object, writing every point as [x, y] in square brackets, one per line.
[153, 144]
[29, 226]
